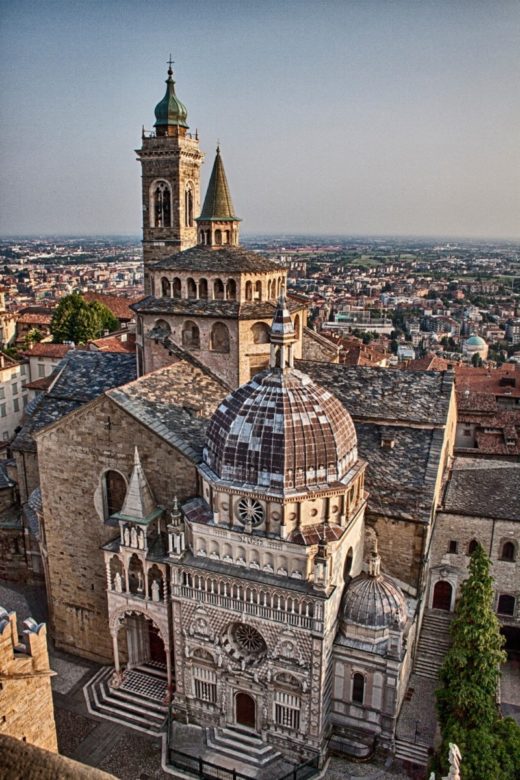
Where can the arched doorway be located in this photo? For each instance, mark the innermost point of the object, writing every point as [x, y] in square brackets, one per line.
[442, 593]
[157, 650]
[245, 710]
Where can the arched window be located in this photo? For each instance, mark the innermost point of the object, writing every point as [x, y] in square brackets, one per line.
[258, 290]
[297, 326]
[161, 328]
[506, 605]
[219, 341]
[508, 552]
[208, 237]
[188, 205]
[218, 237]
[260, 332]
[202, 237]
[165, 287]
[176, 288]
[226, 236]
[190, 335]
[191, 288]
[218, 290]
[161, 211]
[114, 492]
[472, 546]
[249, 291]
[203, 288]
[358, 688]
[231, 290]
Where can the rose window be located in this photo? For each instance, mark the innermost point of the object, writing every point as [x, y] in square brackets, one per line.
[250, 511]
[244, 644]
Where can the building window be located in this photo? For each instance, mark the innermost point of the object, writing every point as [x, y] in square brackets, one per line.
[2, 393]
[16, 404]
[287, 708]
[249, 291]
[15, 388]
[219, 340]
[176, 288]
[260, 332]
[3, 411]
[190, 335]
[218, 290]
[41, 371]
[472, 546]
[191, 288]
[114, 492]
[508, 552]
[453, 547]
[165, 287]
[188, 206]
[506, 605]
[205, 684]
[161, 206]
[358, 688]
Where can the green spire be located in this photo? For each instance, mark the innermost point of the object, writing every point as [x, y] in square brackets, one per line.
[170, 111]
[217, 203]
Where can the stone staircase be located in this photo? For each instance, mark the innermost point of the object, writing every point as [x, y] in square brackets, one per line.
[434, 642]
[246, 752]
[411, 752]
[137, 703]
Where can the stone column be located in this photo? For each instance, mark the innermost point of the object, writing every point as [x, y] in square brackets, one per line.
[168, 666]
[116, 650]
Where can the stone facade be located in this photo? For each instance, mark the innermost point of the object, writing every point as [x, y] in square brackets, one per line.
[25, 674]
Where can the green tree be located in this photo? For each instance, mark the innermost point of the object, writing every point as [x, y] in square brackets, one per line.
[78, 321]
[476, 360]
[467, 701]
[34, 336]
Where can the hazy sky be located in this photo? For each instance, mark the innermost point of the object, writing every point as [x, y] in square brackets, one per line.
[339, 116]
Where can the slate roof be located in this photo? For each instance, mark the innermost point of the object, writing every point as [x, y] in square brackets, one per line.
[229, 259]
[375, 602]
[256, 310]
[484, 489]
[79, 378]
[175, 402]
[5, 480]
[386, 394]
[217, 203]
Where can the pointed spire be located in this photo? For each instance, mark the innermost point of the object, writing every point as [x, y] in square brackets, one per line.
[217, 203]
[139, 502]
[282, 335]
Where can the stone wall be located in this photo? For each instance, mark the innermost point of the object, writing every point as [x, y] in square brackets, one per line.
[74, 454]
[26, 708]
[28, 476]
[401, 546]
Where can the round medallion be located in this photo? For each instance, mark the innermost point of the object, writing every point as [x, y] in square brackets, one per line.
[250, 511]
[244, 644]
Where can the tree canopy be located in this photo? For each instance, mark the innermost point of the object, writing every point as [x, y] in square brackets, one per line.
[78, 321]
[467, 701]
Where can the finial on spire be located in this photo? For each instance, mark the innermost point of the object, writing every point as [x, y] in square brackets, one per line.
[218, 145]
[170, 63]
[374, 563]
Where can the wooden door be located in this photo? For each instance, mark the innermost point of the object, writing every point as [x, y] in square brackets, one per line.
[442, 595]
[245, 710]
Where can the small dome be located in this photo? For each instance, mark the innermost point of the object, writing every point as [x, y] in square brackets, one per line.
[374, 602]
[475, 341]
[281, 431]
[170, 111]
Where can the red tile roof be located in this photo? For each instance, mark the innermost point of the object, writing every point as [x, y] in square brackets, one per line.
[118, 305]
[114, 343]
[44, 349]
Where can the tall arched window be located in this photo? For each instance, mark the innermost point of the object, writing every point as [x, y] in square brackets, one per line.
[472, 546]
[249, 291]
[358, 688]
[218, 290]
[161, 212]
[188, 205]
[297, 326]
[203, 288]
[218, 237]
[219, 341]
[347, 568]
[258, 290]
[231, 290]
[190, 335]
[191, 288]
[176, 288]
[114, 492]
[508, 552]
[165, 287]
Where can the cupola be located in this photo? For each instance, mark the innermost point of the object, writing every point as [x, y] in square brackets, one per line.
[170, 113]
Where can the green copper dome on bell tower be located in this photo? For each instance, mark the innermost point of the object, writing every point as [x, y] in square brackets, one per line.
[170, 112]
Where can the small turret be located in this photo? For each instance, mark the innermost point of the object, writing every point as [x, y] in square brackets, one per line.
[282, 336]
[218, 225]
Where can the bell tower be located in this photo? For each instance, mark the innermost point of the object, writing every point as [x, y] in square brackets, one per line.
[170, 161]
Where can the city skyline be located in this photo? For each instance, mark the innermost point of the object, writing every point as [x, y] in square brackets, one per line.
[344, 119]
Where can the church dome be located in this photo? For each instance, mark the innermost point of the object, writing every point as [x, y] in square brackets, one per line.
[281, 431]
[170, 111]
[475, 341]
[374, 602]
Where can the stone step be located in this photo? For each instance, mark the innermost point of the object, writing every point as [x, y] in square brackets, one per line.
[153, 669]
[110, 704]
[411, 751]
[248, 749]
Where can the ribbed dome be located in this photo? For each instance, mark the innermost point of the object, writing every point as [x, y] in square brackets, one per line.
[475, 341]
[375, 602]
[281, 431]
[170, 111]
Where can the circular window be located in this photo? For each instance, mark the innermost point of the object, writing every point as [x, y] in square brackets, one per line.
[250, 511]
[244, 644]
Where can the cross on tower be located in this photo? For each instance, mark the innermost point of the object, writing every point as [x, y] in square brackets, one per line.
[170, 63]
